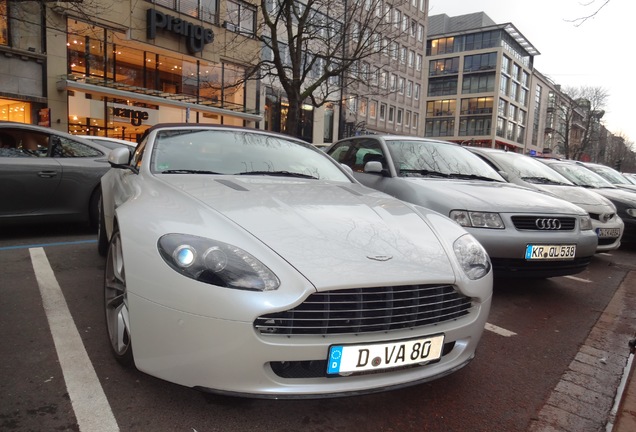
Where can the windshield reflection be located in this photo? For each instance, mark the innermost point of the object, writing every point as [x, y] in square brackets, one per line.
[432, 157]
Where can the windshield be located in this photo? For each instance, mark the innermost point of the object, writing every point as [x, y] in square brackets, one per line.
[581, 176]
[528, 169]
[610, 175]
[434, 158]
[224, 152]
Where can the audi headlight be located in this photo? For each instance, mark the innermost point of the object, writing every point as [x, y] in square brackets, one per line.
[586, 223]
[216, 263]
[472, 256]
[631, 212]
[477, 219]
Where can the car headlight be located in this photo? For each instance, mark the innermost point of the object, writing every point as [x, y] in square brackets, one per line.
[216, 263]
[477, 219]
[586, 223]
[631, 212]
[472, 256]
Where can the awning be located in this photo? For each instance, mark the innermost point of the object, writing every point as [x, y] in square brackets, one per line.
[123, 91]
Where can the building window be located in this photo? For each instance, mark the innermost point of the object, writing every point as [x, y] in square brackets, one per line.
[478, 83]
[362, 108]
[440, 108]
[382, 112]
[241, 18]
[503, 84]
[415, 120]
[473, 63]
[373, 108]
[438, 127]
[400, 113]
[442, 86]
[501, 108]
[4, 23]
[206, 10]
[505, 65]
[483, 105]
[443, 66]
[391, 114]
[500, 127]
[475, 126]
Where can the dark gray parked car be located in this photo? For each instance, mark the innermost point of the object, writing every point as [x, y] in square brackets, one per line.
[48, 176]
[526, 233]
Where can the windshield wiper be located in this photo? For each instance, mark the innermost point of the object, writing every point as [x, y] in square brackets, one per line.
[425, 172]
[473, 177]
[187, 171]
[543, 180]
[279, 174]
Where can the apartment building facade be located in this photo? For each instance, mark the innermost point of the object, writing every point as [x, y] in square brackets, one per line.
[479, 81]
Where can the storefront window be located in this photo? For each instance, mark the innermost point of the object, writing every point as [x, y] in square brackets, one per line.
[11, 110]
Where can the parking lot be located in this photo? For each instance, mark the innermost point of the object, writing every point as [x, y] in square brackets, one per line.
[536, 331]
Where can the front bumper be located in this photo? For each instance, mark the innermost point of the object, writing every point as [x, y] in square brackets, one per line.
[232, 357]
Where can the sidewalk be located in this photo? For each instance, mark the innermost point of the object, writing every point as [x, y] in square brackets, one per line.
[597, 393]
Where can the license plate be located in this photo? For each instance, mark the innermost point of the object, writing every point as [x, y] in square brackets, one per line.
[608, 232]
[349, 359]
[550, 252]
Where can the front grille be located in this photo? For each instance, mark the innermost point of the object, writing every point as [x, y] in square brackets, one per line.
[548, 223]
[366, 310]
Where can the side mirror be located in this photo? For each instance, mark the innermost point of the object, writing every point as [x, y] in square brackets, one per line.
[120, 158]
[373, 167]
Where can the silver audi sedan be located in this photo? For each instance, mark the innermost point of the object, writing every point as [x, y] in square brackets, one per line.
[526, 233]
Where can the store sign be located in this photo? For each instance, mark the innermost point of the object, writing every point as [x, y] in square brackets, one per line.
[135, 116]
[196, 36]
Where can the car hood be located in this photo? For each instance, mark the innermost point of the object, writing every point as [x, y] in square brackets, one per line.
[336, 235]
[490, 196]
[617, 194]
[590, 201]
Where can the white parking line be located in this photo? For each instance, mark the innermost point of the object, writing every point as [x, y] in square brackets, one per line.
[500, 331]
[578, 279]
[92, 411]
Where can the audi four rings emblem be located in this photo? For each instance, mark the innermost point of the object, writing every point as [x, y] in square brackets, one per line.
[548, 224]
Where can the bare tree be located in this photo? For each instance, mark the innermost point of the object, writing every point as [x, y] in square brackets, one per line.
[314, 49]
[577, 125]
[581, 20]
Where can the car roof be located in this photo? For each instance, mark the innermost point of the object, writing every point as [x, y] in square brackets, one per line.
[160, 126]
[44, 129]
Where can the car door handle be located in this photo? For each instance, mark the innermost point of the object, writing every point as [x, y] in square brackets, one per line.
[47, 174]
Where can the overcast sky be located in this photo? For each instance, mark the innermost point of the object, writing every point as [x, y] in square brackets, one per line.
[599, 52]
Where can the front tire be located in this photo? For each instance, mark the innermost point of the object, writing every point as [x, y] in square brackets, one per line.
[116, 302]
